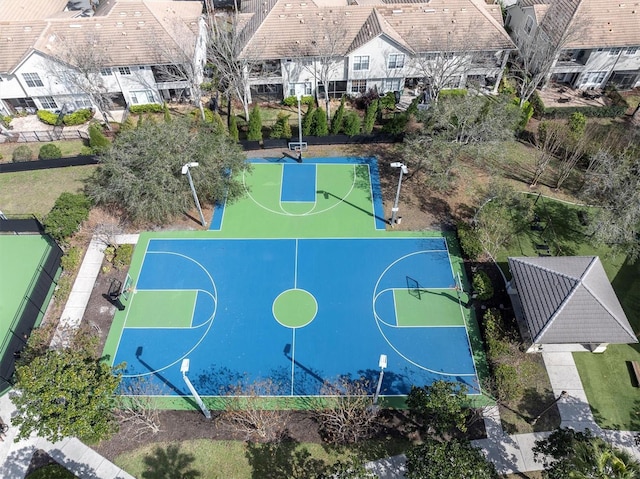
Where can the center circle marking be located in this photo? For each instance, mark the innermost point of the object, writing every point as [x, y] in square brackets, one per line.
[295, 308]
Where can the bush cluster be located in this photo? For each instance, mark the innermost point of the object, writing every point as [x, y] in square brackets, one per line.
[78, 117]
[71, 259]
[293, 100]
[68, 212]
[482, 285]
[146, 108]
[48, 117]
[453, 92]
[49, 151]
[469, 242]
[22, 153]
[97, 141]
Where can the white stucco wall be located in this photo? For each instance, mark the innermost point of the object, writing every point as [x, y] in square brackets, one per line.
[10, 87]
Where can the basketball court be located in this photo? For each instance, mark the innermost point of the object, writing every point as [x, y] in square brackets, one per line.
[274, 291]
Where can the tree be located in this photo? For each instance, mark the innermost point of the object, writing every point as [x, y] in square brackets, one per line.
[97, 141]
[448, 460]
[574, 149]
[245, 412]
[348, 415]
[255, 124]
[182, 60]
[234, 134]
[580, 455]
[612, 182]
[323, 56]
[550, 139]
[338, 118]
[539, 49]
[370, 116]
[141, 173]
[352, 123]
[66, 392]
[307, 120]
[226, 54]
[320, 127]
[136, 407]
[77, 64]
[440, 407]
[282, 128]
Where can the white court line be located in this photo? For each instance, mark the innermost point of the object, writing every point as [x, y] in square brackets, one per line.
[293, 357]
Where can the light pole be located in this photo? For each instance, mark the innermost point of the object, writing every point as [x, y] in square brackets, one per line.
[403, 171]
[382, 364]
[563, 394]
[186, 171]
[184, 369]
[299, 96]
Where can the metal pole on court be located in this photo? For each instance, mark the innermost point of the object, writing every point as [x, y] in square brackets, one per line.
[394, 210]
[184, 369]
[382, 364]
[299, 96]
[186, 171]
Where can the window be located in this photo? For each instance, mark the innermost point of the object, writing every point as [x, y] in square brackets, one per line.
[615, 51]
[48, 102]
[358, 86]
[361, 62]
[105, 72]
[82, 102]
[430, 57]
[124, 70]
[594, 77]
[631, 51]
[141, 68]
[396, 60]
[32, 79]
[392, 84]
[302, 87]
[143, 96]
[528, 26]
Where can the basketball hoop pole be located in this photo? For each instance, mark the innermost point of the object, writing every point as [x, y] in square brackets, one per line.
[403, 171]
[184, 369]
[299, 96]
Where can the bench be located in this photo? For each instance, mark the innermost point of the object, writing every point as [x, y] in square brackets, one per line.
[635, 366]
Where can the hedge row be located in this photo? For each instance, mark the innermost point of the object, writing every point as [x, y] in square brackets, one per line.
[78, 117]
[147, 108]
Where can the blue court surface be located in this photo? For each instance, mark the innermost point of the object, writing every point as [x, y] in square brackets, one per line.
[231, 318]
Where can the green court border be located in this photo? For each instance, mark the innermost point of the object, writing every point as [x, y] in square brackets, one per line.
[319, 230]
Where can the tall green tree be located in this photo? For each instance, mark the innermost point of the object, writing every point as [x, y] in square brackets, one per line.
[141, 175]
[453, 459]
[65, 392]
[338, 118]
[320, 127]
[567, 453]
[440, 407]
[255, 124]
[307, 120]
[370, 116]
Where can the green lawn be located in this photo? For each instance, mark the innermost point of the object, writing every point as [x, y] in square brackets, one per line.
[35, 192]
[606, 377]
[241, 460]
[67, 147]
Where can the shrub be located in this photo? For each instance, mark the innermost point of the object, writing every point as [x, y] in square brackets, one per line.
[307, 121]
[97, 141]
[233, 128]
[364, 100]
[22, 153]
[68, 212]
[577, 123]
[482, 285]
[5, 120]
[49, 151]
[526, 113]
[338, 118]
[469, 242]
[146, 108]
[293, 100]
[128, 124]
[282, 128]
[320, 127]
[412, 109]
[537, 104]
[86, 150]
[78, 117]
[352, 124]
[388, 101]
[397, 124]
[48, 117]
[166, 114]
[453, 92]
[255, 124]
[123, 255]
[370, 116]
[508, 382]
[71, 259]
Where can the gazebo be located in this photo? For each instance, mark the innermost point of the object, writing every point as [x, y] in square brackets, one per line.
[566, 303]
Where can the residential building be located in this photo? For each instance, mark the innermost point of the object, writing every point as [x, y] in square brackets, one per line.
[600, 39]
[351, 46]
[125, 51]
